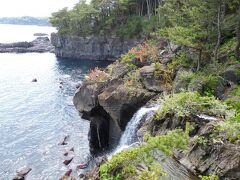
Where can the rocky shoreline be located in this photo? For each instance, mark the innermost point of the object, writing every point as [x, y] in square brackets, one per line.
[39, 45]
[109, 98]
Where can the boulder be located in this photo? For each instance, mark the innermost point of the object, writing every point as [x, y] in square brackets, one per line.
[180, 84]
[150, 80]
[232, 73]
[86, 97]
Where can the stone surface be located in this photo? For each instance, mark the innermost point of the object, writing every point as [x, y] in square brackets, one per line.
[122, 102]
[150, 81]
[40, 45]
[90, 48]
[232, 73]
[22, 173]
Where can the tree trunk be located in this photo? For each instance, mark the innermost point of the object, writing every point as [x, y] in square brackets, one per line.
[219, 32]
[237, 49]
[148, 9]
[199, 59]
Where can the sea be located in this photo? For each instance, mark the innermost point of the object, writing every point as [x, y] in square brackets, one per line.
[36, 116]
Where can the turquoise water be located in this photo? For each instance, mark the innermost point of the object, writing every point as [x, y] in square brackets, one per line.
[36, 116]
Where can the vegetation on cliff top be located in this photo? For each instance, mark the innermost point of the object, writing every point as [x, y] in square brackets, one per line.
[201, 38]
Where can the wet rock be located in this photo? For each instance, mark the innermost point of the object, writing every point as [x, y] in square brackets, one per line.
[101, 160]
[68, 173]
[81, 176]
[68, 161]
[81, 166]
[64, 141]
[34, 80]
[22, 173]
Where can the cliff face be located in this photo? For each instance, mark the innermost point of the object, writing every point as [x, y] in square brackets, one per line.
[90, 48]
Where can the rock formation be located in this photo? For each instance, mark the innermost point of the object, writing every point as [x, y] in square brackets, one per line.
[39, 45]
[90, 48]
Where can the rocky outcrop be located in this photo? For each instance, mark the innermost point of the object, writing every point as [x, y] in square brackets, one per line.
[205, 155]
[151, 81]
[232, 73]
[109, 106]
[39, 45]
[90, 48]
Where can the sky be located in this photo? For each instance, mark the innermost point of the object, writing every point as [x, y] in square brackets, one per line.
[35, 8]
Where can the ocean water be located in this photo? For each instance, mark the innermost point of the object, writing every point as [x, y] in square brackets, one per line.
[36, 116]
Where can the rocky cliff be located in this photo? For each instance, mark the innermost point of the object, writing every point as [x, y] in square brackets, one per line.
[197, 123]
[91, 48]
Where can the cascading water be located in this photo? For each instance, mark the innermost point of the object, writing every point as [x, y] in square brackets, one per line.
[130, 134]
[173, 168]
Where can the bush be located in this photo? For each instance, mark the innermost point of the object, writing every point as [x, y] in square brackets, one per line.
[191, 103]
[124, 164]
[97, 75]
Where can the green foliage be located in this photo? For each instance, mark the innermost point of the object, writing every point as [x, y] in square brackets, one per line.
[210, 177]
[182, 60]
[132, 79]
[228, 46]
[123, 18]
[124, 164]
[189, 103]
[229, 129]
[235, 91]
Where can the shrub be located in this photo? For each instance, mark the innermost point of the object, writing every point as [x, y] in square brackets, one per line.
[124, 164]
[132, 79]
[191, 103]
[210, 177]
[97, 75]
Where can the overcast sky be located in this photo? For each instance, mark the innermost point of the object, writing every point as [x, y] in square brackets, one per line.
[37, 8]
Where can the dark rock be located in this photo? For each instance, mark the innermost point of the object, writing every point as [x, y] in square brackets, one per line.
[85, 98]
[121, 102]
[68, 173]
[68, 161]
[101, 160]
[99, 130]
[218, 158]
[64, 141]
[34, 80]
[151, 81]
[81, 166]
[40, 34]
[81, 176]
[232, 73]
[22, 173]
[40, 44]
[91, 48]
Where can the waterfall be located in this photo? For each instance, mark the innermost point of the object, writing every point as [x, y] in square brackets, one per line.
[130, 134]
